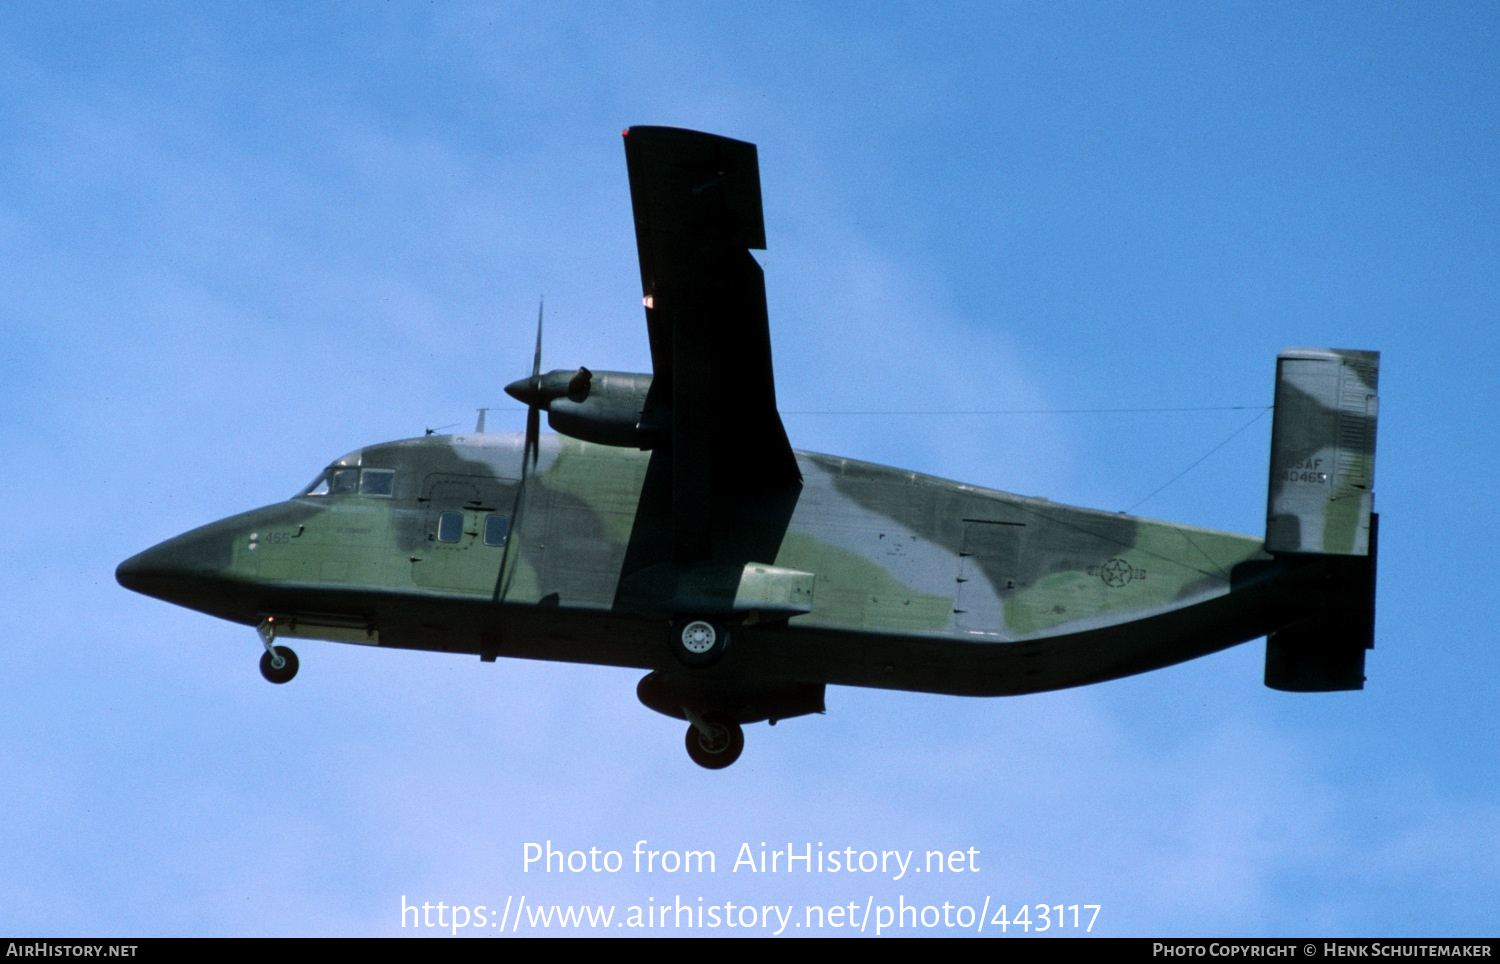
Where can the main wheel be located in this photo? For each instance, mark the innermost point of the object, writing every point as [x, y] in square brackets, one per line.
[285, 671]
[720, 746]
[699, 642]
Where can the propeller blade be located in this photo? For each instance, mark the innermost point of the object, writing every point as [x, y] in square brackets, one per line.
[529, 391]
[536, 363]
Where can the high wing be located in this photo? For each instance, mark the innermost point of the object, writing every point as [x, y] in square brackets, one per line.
[696, 199]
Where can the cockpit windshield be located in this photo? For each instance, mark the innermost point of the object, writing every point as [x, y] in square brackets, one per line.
[318, 486]
[339, 480]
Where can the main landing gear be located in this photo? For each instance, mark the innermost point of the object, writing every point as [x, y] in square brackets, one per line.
[699, 642]
[714, 741]
[278, 664]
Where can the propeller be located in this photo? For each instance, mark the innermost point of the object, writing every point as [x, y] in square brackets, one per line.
[528, 390]
[539, 391]
[536, 393]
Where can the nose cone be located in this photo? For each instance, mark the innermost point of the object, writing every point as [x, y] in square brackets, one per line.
[135, 573]
[182, 570]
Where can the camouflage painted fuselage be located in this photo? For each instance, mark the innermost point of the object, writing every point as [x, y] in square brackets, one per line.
[670, 526]
[902, 580]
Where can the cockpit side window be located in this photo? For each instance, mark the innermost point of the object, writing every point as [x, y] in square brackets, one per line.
[341, 481]
[377, 482]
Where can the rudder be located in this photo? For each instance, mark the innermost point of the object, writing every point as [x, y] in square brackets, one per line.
[1323, 451]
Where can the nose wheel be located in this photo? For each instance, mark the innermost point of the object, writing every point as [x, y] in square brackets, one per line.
[714, 741]
[278, 664]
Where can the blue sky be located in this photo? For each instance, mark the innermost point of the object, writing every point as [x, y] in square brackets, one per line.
[239, 241]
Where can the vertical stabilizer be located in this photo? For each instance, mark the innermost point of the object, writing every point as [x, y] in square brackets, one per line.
[1323, 452]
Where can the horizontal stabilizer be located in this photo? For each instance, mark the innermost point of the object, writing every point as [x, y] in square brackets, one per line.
[1323, 452]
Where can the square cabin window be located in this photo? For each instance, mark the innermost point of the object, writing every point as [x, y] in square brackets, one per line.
[450, 526]
[496, 530]
[377, 482]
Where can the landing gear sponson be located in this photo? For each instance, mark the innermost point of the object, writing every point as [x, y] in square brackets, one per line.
[717, 710]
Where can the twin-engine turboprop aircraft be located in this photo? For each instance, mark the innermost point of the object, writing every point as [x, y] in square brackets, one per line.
[670, 526]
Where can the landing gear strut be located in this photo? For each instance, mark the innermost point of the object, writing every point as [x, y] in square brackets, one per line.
[278, 664]
[714, 741]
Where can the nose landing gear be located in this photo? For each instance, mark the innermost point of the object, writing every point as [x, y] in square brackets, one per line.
[278, 664]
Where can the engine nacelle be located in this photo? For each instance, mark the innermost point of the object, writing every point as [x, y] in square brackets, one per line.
[602, 407]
